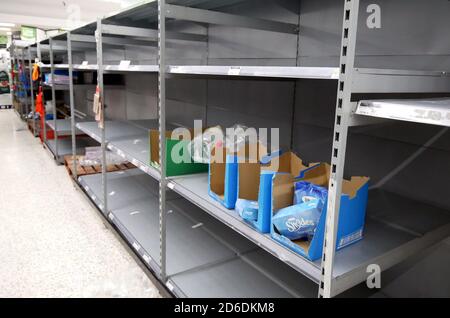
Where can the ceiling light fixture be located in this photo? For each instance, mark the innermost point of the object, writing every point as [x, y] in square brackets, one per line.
[5, 29]
[5, 24]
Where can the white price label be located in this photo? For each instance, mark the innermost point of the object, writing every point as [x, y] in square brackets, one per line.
[136, 246]
[124, 64]
[170, 286]
[234, 71]
[174, 69]
[171, 186]
[111, 216]
[146, 258]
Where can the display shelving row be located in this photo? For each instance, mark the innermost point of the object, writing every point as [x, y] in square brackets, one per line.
[261, 63]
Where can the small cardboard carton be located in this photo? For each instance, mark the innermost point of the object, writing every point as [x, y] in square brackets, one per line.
[255, 183]
[173, 167]
[351, 215]
[223, 171]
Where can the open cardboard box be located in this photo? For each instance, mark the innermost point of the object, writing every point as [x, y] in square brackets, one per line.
[173, 168]
[351, 215]
[255, 183]
[223, 171]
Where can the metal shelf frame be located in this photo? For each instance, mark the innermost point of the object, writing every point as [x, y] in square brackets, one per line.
[335, 272]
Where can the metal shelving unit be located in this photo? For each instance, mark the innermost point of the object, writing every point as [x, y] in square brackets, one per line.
[186, 238]
[384, 243]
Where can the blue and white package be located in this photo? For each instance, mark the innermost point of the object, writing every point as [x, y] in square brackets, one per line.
[248, 210]
[299, 221]
[306, 191]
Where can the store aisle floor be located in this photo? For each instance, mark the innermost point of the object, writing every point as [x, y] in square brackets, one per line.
[52, 242]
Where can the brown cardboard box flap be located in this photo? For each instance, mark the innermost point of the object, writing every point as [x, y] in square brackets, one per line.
[283, 191]
[288, 162]
[154, 140]
[218, 170]
[249, 175]
[321, 175]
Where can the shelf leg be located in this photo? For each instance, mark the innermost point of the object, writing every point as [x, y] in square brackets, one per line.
[31, 90]
[343, 114]
[99, 41]
[72, 106]
[52, 69]
[162, 136]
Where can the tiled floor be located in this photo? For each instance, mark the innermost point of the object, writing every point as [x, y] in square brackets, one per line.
[52, 242]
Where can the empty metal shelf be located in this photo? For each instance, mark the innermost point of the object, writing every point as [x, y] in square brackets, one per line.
[65, 146]
[198, 250]
[110, 68]
[425, 111]
[258, 71]
[63, 127]
[391, 235]
[128, 139]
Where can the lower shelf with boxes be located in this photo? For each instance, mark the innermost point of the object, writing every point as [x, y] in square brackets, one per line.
[280, 195]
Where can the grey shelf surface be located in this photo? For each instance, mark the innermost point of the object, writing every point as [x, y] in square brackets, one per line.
[204, 258]
[65, 146]
[391, 233]
[258, 71]
[63, 127]
[66, 87]
[128, 139]
[108, 68]
[425, 111]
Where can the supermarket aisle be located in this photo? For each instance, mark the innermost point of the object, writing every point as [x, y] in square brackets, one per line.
[52, 242]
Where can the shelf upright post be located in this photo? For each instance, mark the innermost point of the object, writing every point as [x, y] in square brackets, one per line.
[43, 120]
[99, 42]
[31, 91]
[38, 49]
[162, 135]
[72, 105]
[52, 72]
[23, 84]
[343, 116]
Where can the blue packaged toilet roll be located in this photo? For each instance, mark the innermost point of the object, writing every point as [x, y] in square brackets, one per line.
[306, 191]
[300, 220]
[248, 210]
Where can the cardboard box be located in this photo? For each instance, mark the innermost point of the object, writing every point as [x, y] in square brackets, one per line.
[352, 209]
[173, 168]
[255, 183]
[224, 168]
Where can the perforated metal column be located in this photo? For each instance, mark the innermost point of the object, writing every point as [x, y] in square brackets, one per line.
[343, 113]
[162, 135]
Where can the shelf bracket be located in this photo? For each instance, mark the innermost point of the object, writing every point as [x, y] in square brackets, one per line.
[342, 121]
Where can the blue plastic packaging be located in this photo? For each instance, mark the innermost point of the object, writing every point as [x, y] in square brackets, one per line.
[248, 210]
[299, 221]
[306, 191]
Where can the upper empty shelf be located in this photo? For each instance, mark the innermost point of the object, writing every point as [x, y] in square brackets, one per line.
[128, 139]
[425, 111]
[62, 127]
[125, 67]
[258, 71]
